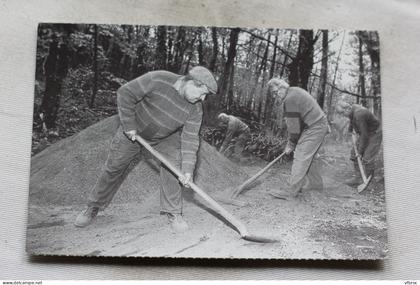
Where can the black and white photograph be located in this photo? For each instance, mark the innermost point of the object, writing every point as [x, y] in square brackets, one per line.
[207, 142]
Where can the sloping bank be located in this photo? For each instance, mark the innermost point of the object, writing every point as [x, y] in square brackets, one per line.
[64, 173]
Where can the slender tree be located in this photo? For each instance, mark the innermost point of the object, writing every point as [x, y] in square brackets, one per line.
[312, 81]
[233, 41]
[189, 53]
[213, 60]
[324, 70]
[362, 86]
[259, 69]
[229, 105]
[329, 115]
[141, 52]
[268, 112]
[200, 48]
[210, 105]
[251, 97]
[247, 71]
[94, 66]
[170, 36]
[161, 48]
[371, 40]
[273, 60]
[283, 67]
[55, 69]
[302, 63]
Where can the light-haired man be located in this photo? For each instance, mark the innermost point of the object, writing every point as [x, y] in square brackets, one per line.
[155, 106]
[307, 127]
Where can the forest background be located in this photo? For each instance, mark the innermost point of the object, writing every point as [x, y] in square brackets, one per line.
[79, 67]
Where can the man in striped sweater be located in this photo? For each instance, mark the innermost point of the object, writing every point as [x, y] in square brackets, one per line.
[307, 127]
[155, 106]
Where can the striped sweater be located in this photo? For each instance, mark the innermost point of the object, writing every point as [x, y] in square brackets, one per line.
[151, 105]
[301, 111]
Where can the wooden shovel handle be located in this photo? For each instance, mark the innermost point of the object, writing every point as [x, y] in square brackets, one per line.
[228, 216]
[359, 160]
[253, 178]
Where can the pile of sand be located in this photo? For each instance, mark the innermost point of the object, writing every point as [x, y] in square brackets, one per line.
[64, 173]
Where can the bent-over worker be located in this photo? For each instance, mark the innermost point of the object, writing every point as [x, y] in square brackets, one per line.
[155, 106]
[237, 130]
[368, 128]
[307, 127]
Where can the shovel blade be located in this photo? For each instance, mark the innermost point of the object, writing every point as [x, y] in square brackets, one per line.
[281, 196]
[230, 201]
[362, 187]
[261, 239]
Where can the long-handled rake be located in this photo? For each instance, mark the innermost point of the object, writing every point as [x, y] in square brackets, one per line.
[228, 216]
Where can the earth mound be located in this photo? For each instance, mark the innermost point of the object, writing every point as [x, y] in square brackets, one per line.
[64, 173]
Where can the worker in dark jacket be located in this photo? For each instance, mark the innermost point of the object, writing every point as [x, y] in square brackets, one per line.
[155, 106]
[368, 128]
[236, 129]
[307, 127]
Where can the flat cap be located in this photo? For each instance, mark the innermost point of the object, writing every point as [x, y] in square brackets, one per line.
[204, 76]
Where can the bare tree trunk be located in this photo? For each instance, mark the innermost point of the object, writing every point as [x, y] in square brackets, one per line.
[371, 39]
[190, 53]
[223, 56]
[161, 48]
[363, 100]
[55, 67]
[179, 49]
[324, 70]
[329, 115]
[283, 67]
[170, 36]
[110, 47]
[233, 41]
[210, 106]
[248, 72]
[268, 110]
[200, 49]
[95, 66]
[129, 66]
[312, 81]
[273, 60]
[260, 69]
[213, 61]
[229, 105]
[251, 102]
[301, 66]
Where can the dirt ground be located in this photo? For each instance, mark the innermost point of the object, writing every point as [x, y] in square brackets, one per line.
[336, 223]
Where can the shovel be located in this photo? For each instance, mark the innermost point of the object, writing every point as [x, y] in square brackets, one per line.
[367, 180]
[240, 188]
[228, 216]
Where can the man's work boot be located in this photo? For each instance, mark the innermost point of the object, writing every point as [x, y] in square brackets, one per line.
[354, 181]
[86, 217]
[178, 224]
